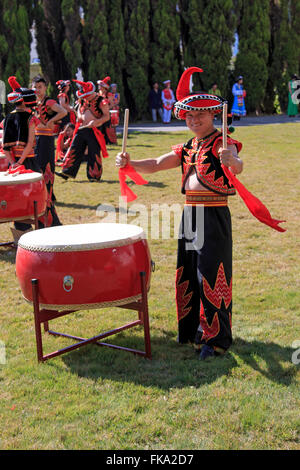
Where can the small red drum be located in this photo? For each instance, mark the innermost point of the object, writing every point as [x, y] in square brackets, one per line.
[84, 266]
[18, 193]
[114, 117]
[3, 162]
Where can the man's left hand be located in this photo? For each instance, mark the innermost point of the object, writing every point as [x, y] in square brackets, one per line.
[226, 157]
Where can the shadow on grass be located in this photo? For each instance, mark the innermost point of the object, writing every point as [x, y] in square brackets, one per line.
[8, 254]
[154, 184]
[175, 365]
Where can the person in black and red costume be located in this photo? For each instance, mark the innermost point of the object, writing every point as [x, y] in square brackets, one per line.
[92, 113]
[19, 136]
[204, 259]
[107, 128]
[49, 113]
[64, 101]
[204, 270]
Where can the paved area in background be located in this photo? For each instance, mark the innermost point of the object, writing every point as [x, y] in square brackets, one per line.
[177, 126]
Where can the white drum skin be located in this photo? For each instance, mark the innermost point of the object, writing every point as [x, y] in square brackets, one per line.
[18, 193]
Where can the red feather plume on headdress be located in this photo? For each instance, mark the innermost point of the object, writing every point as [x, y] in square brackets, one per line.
[13, 83]
[183, 87]
[85, 88]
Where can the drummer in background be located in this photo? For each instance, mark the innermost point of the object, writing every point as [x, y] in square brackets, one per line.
[92, 113]
[114, 101]
[19, 136]
[64, 101]
[107, 129]
[49, 113]
[64, 143]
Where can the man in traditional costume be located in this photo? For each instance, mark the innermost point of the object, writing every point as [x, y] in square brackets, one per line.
[107, 129]
[92, 113]
[64, 101]
[204, 260]
[114, 108]
[168, 99]
[19, 137]
[49, 113]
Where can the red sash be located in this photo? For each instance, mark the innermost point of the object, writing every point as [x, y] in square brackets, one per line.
[20, 170]
[58, 153]
[255, 206]
[99, 136]
[101, 141]
[127, 194]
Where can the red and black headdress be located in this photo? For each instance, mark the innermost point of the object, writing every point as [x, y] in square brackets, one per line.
[61, 84]
[84, 88]
[104, 83]
[188, 101]
[20, 94]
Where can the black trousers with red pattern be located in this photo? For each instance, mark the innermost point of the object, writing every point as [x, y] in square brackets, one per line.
[45, 155]
[84, 138]
[204, 277]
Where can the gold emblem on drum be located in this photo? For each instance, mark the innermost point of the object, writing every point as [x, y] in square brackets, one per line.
[68, 283]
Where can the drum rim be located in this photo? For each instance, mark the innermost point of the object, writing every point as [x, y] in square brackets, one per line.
[87, 306]
[23, 217]
[13, 181]
[65, 248]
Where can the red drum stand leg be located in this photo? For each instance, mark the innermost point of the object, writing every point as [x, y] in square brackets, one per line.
[44, 316]
[35, 221]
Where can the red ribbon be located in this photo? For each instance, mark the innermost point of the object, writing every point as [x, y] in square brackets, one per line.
[19, 170]
[100, 138]
[127, 194]
[58, 153]
[255, 206]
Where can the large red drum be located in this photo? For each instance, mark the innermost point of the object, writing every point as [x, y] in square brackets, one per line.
[84, 266]
[18, 193]
[3, 162]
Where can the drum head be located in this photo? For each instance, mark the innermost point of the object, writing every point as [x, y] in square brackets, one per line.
[7, 179]
[81, 237]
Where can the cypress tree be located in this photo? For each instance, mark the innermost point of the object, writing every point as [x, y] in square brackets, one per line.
[4, 47]
[15, 41]
[208, 28]
[71, 45]
[96, 62]
[116, 49]
[50, 36]
[165, 41]
[274, 65]
[136, 87]
[252, 57]
[286, 47]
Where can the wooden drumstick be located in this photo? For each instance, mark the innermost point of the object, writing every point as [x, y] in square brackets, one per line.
[224, 127]
[125, 130]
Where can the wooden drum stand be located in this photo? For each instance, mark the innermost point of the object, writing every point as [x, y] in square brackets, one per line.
[44, 316]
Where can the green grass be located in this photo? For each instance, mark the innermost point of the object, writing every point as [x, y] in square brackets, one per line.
[97, 398]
